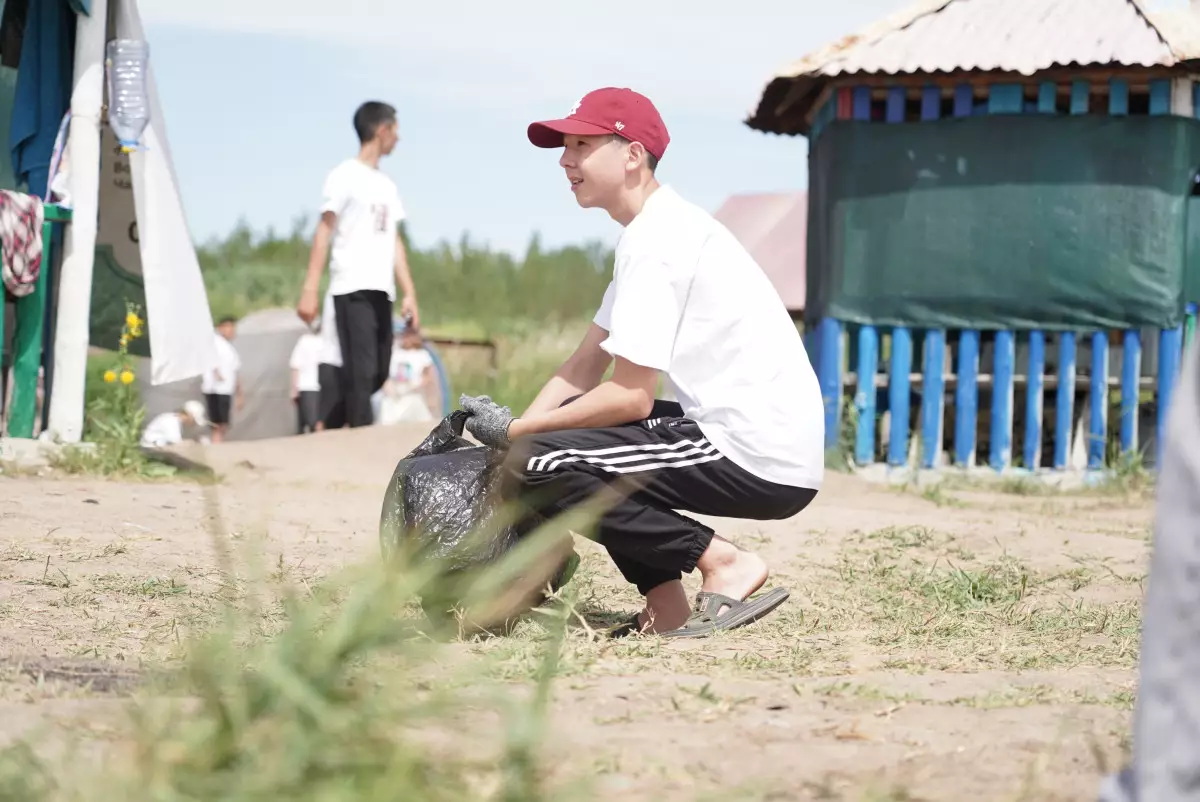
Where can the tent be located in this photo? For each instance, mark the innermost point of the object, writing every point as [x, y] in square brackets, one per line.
[264, 343]
[128, 238]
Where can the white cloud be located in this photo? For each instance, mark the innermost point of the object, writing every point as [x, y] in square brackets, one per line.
[702, 56]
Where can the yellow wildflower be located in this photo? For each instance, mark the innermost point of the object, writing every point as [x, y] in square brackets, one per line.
[110, 376]
[133, 321]
[127, 377]
[124, 340]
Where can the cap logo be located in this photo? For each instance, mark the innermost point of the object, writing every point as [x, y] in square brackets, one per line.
[575, 108]
[620, 126]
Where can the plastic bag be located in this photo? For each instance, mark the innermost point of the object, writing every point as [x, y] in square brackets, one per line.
[441, 494]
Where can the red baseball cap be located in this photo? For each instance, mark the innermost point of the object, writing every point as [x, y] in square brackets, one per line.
[607, 111]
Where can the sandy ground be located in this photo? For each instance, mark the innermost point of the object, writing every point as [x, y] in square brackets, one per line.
[947, 645]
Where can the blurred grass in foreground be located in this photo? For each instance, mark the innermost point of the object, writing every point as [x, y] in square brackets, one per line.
[336, 706]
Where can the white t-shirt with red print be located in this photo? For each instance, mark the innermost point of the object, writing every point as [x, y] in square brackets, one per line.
[368, 209]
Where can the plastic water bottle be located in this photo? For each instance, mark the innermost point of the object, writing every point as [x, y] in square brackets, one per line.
[128, 96]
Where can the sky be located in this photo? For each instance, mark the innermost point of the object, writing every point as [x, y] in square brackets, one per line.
[258, 97]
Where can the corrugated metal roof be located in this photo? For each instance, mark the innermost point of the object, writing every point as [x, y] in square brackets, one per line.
[1020, 36]
[1181, 29]
[773, 227]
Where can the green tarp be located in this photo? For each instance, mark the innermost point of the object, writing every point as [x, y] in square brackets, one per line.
[1034, 221]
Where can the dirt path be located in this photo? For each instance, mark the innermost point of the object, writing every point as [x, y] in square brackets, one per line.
[964, 645]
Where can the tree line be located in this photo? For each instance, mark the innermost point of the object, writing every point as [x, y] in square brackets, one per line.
[459, 286]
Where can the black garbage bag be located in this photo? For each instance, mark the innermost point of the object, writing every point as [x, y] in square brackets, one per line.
[440, 496]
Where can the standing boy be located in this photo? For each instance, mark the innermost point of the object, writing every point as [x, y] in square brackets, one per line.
[746, 439]
[222, 384]
[359, 217]
[306, 383]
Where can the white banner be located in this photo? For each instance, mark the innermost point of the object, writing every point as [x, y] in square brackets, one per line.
[181, 331]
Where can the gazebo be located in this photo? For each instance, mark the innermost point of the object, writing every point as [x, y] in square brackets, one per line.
[1005, 184]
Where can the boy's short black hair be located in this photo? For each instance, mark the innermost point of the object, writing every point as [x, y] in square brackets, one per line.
[369, 117]
[227, 319]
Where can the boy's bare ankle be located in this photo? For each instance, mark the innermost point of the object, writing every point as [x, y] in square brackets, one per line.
[732, 572]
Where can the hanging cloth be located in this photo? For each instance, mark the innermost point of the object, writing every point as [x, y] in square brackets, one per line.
[21, 219]
[43, 94]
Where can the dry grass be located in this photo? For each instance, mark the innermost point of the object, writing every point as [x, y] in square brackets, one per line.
[910, 596]
[890, 631]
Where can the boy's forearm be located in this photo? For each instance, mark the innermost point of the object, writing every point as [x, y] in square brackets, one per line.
[607, 404]
[317, 257]
[577, 376]
[555, 392]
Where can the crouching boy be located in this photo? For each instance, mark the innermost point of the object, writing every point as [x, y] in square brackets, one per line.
[745, 438]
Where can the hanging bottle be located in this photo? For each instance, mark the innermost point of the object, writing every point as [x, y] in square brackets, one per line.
[128, 92]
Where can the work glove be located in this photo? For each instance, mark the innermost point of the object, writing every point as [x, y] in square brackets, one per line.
[488, 421]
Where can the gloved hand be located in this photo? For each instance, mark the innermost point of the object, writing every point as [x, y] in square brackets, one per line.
[488, 421]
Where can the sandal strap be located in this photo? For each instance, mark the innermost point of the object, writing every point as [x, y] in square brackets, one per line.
[707, 607]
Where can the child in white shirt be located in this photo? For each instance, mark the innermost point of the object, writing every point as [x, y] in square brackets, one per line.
[306, 383]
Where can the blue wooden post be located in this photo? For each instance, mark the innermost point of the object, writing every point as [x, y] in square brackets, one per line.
[1035, 383]
[1098, 424]
[1170, 348]
[966, 398]
[933, 401]
[829, 375]
[1047, 97]
[1131, 372]
[861, 103]
[1003, 99]
[1006, 99]
[933, 393]
[1118, 98]
[898, 385]
[868, 366]
[1004, 353]
[1064, 411]
[1171, 341]
[902, 355]
[1080, 97]
[964, 100]
[966, 395]
[868, 337]
[1033, 400]
[1160, 97]
[1118, 106]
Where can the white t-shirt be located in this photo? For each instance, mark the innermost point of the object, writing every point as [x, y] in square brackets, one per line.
[368, 209]
[688, 300]
[408, 366]
[306, 358]
[221, 378]
[331, 346]
[164, 430]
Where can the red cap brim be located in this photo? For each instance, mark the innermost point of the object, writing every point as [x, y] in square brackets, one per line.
[549, 134]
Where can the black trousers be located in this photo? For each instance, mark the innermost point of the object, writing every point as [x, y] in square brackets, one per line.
[364, 324]
[308, 410]
[219, 408]
[647, 470]
[333, 405]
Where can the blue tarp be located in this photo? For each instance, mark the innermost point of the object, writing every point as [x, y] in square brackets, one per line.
[43, 94]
